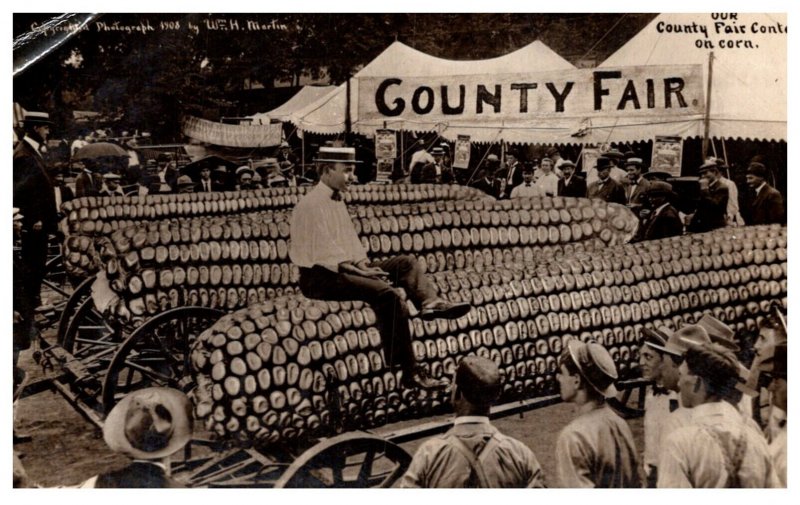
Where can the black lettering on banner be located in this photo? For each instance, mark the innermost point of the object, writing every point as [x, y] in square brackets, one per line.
[599, 90]
[416, 99]
[523, 88]
[491, 99]
[459, 109]
[673, 85]
[380, 99]
[629, 95]
[651, 94]
[560, 97]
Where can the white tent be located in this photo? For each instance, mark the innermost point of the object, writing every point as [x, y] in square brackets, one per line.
[748, 84]
[327, 115]
[301, 99]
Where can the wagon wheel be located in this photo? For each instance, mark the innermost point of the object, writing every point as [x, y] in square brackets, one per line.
[89, 338]
[157, 353]
[56, 275]
[78, 296]
[350, 460]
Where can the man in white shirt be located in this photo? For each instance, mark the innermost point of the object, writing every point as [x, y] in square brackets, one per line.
[547, 180]
[527, 188]
[717, 448]
[334, 266]
[636, 185]
[513, 174]
[419, 159]
[732, 214]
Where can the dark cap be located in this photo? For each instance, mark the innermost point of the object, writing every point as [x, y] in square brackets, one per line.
[659, 188]
[478, 380]
[757, 169]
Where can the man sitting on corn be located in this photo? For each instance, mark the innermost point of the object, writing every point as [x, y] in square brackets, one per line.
[334, 266]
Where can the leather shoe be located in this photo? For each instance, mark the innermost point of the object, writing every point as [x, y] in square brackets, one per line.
[418, 377]
[442, 309]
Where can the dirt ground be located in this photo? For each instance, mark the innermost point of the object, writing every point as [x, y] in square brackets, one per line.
[66, 449]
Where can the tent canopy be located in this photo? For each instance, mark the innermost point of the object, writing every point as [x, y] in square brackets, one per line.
[327, 115]
[301, 99]
[748, 84]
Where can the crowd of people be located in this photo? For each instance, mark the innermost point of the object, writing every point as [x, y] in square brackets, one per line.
[699, 425]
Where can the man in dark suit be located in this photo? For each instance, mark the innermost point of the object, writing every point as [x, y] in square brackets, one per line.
[572, 184]
[512, 174]
[34, 197]
[489, 184]
[88, 182]
[712, 205]
[205, 184]
[605, 187]
[662, 218]
[766, 206]
[636, 185]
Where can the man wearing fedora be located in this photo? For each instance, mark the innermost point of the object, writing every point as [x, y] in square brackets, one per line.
[662, 219]
[635, 185]
[596, 449]
[615, 159]
[605, 187]
[766, 203]
[712, 204]
[661, 399]
[147, 426]
[473, 453]
[716, 448]
[34, 197]
[572, 184]
[334, 266]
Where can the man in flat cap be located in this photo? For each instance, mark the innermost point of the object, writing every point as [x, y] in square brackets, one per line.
[712, 204]
[597, 448]
[34, 197]
[717, 448]
[474, 454]
[605, 187]
[334, 266]
[766, 203]
[635, 185]
[662, 219]
[572, 184]
[111, 185]
[147, 426]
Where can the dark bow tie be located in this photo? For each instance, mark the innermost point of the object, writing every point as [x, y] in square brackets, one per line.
[336, 196]
[657, 391]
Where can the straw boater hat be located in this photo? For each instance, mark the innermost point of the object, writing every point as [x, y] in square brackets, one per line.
[478, 379]
[111, 177]
[244, 169]
[37, 118]
[635, 162]
[337, 155]
[151, 423]
[595, 365]
[567, 163]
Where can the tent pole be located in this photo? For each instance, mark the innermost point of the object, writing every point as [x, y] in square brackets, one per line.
[347, 120]
[725, 157]
[303, 153]
[708, 104]
[402, 150]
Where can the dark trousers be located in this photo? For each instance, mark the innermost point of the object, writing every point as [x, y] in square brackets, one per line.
[34, 256]
[391, 313]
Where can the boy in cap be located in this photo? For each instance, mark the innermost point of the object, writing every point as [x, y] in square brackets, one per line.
[473, 453]
[596, 449]
[334, 266]
[766, 203]
[717, 448]
[148, 426]
[712, 204]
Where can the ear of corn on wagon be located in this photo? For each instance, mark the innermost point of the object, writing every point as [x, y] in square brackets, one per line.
[290, 367]
[230, 262]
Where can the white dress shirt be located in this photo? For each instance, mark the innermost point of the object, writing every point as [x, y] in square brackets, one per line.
[526, 189]
[322, 232]
[548, 183]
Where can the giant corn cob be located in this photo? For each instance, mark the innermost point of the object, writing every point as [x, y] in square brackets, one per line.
[292, 367]
[230, 262]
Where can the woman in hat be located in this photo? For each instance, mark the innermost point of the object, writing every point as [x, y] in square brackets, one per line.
[596, 449]
[147, 426]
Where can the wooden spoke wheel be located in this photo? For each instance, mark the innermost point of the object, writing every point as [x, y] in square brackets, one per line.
[89, 338]
[350, 460]
[157, 353]
[76, 299]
